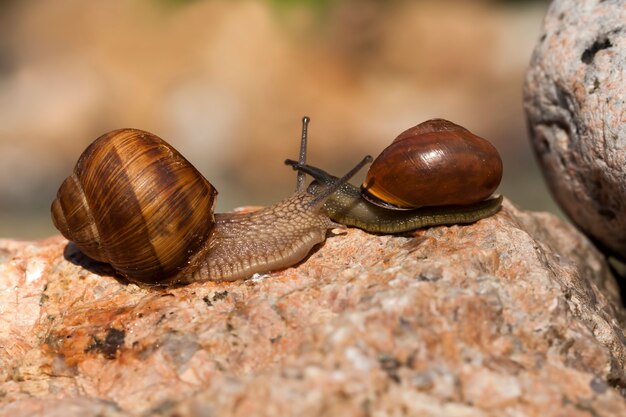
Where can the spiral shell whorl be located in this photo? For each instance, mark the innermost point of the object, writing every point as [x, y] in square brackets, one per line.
[133, 201]
[71, 216]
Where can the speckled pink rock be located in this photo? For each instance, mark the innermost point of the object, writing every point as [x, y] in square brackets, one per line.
[514, 315]
[574, 100]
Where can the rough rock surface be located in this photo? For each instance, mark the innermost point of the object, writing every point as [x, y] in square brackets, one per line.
[514, 315]
[574, 100]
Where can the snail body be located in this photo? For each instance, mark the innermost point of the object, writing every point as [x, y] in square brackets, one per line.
[268, 239]
[348, 207]
[136, 203]
[435, 173]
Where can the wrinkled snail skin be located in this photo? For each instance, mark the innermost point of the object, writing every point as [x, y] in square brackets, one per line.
[269, 239]
[136, 203]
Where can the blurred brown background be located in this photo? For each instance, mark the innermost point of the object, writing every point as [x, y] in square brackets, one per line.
[227, 82]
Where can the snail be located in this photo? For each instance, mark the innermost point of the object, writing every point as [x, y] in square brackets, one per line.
[135, 202]
[435, 173]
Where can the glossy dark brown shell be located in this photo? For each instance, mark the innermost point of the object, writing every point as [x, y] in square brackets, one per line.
[435, 163]
[133, 201]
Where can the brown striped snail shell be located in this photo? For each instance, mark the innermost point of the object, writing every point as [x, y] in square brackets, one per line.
[436, 163]
[136, 203]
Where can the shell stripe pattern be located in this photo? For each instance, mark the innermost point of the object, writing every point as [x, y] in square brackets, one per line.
[72, 217]
[151, 181]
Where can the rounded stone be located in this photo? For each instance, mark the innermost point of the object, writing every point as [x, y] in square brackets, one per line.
[574, 98]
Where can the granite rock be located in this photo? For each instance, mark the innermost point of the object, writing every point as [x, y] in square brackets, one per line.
[574, 101]
[514, 315]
